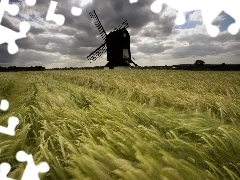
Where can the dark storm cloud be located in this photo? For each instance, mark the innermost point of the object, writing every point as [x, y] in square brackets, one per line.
[200, 45]
[10, 23]
[154, 48]
[163, 28]
[13, 1]
[68, 31]
[237, 37]
[115, 12]
[197, 50]
[5, 57]
[81, 35]
[47, 43]
[203, 39]
[37, 30]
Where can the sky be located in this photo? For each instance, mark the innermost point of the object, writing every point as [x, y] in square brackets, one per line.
[155, 39]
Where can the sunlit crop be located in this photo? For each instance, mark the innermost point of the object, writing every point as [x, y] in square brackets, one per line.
[129, 124]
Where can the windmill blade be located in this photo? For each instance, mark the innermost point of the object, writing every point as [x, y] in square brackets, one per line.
[121, 26]
[98, 52]
[98, 24]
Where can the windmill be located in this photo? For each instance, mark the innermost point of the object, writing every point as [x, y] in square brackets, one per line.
[116, 44]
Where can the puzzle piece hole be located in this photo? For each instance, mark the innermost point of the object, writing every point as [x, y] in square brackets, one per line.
[31, 171]
[12, 48]
[4, 169]
[30, 2]
[10, 130]
[133, 1]
[233, 29]
[24, 27]
[156, 7]
[51, 16]
[222, 22]
[4, 105]
[44, 167]
[21, 156]
[85, 2]
[76, 11]
[13, 10]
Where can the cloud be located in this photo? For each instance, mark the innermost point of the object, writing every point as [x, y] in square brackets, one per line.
[195, 16]
[155, 39]
[154, 48]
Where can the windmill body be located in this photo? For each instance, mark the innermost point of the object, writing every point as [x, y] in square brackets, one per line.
[116, 44]
[118, 49]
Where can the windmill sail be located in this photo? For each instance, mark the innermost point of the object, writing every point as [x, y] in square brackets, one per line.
[98, 24]
[116, 41]
[98, 52]
[121, 26]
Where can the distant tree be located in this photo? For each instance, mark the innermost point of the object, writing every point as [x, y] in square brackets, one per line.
[199, 63]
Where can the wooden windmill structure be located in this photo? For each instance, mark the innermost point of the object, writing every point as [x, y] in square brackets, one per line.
[116, 44]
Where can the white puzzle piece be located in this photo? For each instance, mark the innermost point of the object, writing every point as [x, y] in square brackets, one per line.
[209, 10]
[51, 16]
[12, 9]
[10, 130]
[31, 171]
[76, 11]
[30, 2]
[12, 121]
[133, 1]
[4, 105]
[7, 35]
[4, 170]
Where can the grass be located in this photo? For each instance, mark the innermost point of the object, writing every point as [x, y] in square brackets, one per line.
[137, 124]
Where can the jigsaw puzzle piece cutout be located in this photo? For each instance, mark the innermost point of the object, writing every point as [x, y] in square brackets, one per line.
[209, 10]
[31, 171]
[208, 17]
[85, 2]
[10, 130]
[12, 9]
[232, 8]
[76, 11]
[181, 6]
[133, 1]
[4, 105]
[233, 28]
[180, 19]
[214, 9]
[156, 6]
[4, 170]
[9, 36]
[30, 2]
[51, 16]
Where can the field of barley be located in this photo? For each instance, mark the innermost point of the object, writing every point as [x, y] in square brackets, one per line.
[128, 125]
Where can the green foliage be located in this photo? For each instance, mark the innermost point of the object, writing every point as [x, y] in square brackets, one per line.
[130, 124]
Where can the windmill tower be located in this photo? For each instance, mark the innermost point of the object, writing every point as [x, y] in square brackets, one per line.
[116, 44]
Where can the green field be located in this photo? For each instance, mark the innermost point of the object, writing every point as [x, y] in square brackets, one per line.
[130, 124]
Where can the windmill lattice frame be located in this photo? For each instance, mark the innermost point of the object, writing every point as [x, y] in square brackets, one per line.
[103, 48]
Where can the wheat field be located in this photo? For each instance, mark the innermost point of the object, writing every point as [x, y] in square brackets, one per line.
[124, 124]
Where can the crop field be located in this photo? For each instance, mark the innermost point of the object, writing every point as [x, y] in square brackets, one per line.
[124, 124]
